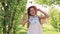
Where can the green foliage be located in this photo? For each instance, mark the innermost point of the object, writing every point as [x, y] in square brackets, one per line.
[10, 15]
[48, 2]
[55, 18]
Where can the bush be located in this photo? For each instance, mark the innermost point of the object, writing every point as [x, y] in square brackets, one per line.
[55, 18]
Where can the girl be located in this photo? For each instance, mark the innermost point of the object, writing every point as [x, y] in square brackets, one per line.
[34, 21]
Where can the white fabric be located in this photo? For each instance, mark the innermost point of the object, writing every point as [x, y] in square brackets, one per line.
[35, 27]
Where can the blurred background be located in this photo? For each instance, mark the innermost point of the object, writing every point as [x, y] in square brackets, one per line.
[11, 12]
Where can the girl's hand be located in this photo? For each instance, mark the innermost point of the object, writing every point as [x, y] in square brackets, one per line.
[25, 14]
[39, 10]
[45, 14]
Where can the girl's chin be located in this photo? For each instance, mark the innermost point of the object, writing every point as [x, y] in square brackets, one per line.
[32, 15]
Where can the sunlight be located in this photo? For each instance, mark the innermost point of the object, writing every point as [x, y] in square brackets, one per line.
[46, 9]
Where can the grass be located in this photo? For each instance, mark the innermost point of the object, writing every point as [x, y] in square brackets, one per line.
[47, 29]
[51, 32]
[47, 32]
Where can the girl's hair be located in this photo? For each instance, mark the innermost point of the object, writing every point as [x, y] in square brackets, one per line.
[30, 14]
[30, 8]
[41, 21]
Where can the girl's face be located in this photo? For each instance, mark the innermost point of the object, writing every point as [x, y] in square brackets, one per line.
[32, 11]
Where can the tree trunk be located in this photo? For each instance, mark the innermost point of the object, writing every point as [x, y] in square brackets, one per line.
[11, 24]
[4, 26]
[4, 21]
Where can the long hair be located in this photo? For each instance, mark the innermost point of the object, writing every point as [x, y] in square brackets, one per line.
[30, 14]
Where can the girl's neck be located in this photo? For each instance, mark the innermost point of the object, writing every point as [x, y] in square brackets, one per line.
[33, 15]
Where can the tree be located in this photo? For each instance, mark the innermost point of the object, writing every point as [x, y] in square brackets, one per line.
[11, 11]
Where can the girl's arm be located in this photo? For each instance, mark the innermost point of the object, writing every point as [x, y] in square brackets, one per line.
[23, 20]
[45, 14]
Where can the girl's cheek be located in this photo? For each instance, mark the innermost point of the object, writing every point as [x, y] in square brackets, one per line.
[31, 12]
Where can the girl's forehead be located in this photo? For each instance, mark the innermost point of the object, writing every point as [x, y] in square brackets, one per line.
[31, 8]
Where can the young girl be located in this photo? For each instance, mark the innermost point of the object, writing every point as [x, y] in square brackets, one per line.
[34, 21]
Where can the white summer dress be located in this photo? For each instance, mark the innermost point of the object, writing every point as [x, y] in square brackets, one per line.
[35, 26]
